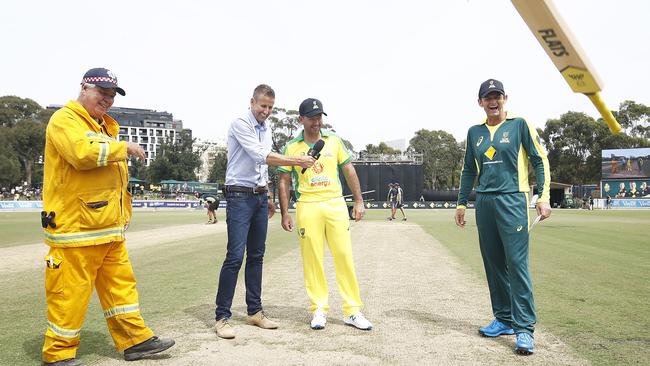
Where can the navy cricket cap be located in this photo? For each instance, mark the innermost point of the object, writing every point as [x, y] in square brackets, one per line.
[311, 107]
[103, 78]
[489, 86]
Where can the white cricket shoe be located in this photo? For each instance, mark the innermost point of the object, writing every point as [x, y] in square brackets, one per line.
[358, 321]
[319, 320]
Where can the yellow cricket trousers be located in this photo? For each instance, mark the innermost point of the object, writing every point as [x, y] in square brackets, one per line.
[70, 275]
[317, 222]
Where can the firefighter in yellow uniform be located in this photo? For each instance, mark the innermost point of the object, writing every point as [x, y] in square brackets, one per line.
[87, 208]
[322, 215]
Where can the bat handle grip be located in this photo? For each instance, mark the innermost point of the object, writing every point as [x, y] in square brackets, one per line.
[607, 115]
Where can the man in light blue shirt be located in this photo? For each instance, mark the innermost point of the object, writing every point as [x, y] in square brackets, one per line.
[248, 146]
[248, 208]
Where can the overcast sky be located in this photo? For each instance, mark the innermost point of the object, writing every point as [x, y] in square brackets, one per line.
[383, 69]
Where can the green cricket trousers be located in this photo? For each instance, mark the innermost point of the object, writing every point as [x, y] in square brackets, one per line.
[502, 221]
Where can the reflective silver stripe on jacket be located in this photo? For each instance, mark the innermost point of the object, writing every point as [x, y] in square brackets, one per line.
[65, 238]
[104, 150]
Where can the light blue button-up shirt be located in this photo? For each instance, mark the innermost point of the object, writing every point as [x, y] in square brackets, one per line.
[249, 143]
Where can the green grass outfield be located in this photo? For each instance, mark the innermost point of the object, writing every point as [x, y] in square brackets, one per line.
[19, 228]
[591, 272]
[591, 277]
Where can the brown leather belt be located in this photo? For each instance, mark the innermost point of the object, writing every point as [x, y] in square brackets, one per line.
[256, 190]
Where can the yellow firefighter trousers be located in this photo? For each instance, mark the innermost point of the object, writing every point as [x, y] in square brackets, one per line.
[317, 222]
[70, 275]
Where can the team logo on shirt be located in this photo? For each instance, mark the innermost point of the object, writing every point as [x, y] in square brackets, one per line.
[480, 139]
[490, 152]
[520, 227]
[301, 232]
[504, 138]
[317, 167]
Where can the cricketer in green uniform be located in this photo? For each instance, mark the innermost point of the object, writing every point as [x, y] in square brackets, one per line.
[497, 152]
[322, 215]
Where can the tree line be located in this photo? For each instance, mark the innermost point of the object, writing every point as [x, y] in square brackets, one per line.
[574, 142]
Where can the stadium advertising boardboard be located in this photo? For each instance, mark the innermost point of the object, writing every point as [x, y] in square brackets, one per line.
[630, 203]
[636, 188]
[409, 205]
[21, 205]
[176, 186]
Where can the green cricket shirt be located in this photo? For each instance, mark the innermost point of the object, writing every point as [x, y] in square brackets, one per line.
[499, 155]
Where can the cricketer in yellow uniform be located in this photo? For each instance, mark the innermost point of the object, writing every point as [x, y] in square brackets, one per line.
[322, 215]
[86, 210]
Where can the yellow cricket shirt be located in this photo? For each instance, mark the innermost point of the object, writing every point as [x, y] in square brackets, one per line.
[321, 182]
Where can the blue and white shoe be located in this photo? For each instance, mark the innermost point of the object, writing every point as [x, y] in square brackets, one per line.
[495, 329]
[525, 344]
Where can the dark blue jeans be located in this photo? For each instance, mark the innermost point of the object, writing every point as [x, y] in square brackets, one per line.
[247, 220]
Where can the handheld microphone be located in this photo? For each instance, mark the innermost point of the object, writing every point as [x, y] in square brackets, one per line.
[314, 152]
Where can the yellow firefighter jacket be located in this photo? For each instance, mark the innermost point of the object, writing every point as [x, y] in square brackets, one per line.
[85, 179]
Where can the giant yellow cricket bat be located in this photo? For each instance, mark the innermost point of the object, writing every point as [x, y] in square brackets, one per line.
[561, 46]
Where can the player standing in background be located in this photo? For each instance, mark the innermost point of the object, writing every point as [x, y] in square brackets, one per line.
[400, 201]
[212, 204]
[609, 202]
[391, 197]
[497, 151]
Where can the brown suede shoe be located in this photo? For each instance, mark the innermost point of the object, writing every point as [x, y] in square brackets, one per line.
[224, 329]
[259, 319]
